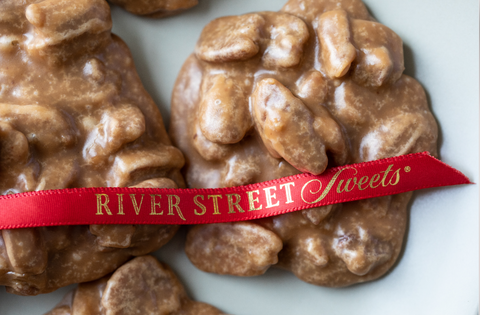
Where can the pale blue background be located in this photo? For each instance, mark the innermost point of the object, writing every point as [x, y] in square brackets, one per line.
[438, 272]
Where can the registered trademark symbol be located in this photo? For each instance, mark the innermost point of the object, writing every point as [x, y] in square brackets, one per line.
[407, 169]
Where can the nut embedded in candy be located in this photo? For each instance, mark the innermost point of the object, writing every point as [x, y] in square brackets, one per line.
[155, 8]
[141, 286]
[273, 94]
[73, 113]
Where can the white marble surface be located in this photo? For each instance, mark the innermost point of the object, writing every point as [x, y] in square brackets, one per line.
[438, 271]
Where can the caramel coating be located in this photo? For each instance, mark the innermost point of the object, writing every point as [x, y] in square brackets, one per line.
[73, 113]
[243, 249]
[323, 85]
[155, 8]
[141, 286]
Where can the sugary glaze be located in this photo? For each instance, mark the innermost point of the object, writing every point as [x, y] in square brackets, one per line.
[73, 113]
[155, 8]
[272, 94]
[141, 286]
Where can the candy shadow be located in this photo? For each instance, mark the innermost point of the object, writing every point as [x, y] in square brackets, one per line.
[410, 69]
[131, 35]
[140, 34]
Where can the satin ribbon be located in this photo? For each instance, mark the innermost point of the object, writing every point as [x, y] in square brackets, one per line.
[111, 205]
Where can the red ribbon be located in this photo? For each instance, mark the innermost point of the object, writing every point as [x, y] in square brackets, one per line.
[111, 205]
